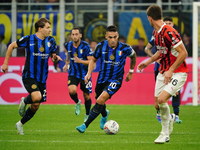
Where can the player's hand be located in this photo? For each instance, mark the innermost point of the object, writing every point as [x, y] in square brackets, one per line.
[76, 59]
[87, 78]
[4, 68]
[56, 58]
[141, 66]
[129, 77]
[167, 77]
[158, 61]
[65, 68]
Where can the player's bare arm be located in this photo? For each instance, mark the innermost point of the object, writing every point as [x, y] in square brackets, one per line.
[84, 62]
[152, 59]
[7, 57]
[179, 60]
[148, 50]
[65, 68]
[132, 66]
[91, 67]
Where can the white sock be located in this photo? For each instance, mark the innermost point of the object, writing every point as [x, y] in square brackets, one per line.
[20, 123]
[165, 117]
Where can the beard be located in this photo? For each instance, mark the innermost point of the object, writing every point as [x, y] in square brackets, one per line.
[76, 41]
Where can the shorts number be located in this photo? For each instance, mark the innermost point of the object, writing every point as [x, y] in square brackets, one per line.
[174, 82]
[113, 84]
[89, 85]
[44, 94]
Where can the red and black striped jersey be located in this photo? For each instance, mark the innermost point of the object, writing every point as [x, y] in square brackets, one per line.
[166, 39]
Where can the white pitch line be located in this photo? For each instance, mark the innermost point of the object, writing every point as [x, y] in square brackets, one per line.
[101, 131]
[95, 142]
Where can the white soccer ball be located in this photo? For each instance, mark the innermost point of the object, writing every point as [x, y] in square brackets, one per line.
[111, 127]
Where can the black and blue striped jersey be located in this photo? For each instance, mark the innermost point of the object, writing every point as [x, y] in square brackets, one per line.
[37, 54]
[157, 65]
[82, 52]
[112, 60]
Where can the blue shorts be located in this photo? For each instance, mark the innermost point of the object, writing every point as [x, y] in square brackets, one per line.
[110, 87]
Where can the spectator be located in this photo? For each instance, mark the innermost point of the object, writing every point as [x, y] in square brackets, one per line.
[93, 44]
[187, 42]
[3, 46]
[87, 39]
[122, 39]
[52, 7]
[139, 49]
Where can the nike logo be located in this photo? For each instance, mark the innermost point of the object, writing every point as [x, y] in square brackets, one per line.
[32, 44]
[104, 52]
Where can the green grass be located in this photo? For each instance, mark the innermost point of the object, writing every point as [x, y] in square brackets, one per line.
[53, 128]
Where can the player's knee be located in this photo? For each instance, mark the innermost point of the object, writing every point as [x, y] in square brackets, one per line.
[160, 100]
[72, 91]
[37, 98]
[35, 107]
[86, 96]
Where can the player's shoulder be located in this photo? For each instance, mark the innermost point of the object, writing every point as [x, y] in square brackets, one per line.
[50, 38]
[168, 28]
[85, 44]
[24, 38]
[124, 46]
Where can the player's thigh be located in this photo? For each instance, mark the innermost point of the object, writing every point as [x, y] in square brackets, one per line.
[72, 84]
[177, 82]
[99, 89]
[159, 84]
[113, 87]
[86, 88]
[103, 98]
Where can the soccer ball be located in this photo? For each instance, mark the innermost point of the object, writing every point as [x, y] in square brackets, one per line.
[111, 127]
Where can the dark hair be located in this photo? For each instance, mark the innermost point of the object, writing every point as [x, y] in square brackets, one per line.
[41, 23]
[2, 37]
[77, 28]
[112, 28]
[141, 39]
[155, 12]
[167, 18]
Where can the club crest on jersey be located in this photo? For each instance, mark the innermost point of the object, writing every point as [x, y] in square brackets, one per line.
[33, 86]
[120, 53]
[48, 44]
[41, 48]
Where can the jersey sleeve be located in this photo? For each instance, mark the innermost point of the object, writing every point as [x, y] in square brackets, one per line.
[53, 45]
[22, 42]
[88, 50]
[97, 51]
[130, 51]
[151, 41]
[174, 38]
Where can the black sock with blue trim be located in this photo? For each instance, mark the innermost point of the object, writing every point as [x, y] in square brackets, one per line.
[88, 106]
[28, 100]
[28, 115]
[95, 111]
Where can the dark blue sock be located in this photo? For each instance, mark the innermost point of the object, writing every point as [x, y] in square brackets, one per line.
[28, 115]
[74, 97]
[176, 104]
[95, 111]
[88, 106]
[104, 112]
[28, 100]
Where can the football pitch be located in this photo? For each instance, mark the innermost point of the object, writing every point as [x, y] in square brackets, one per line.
[53, 128]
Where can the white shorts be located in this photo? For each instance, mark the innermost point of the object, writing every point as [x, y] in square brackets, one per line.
[177, 82]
